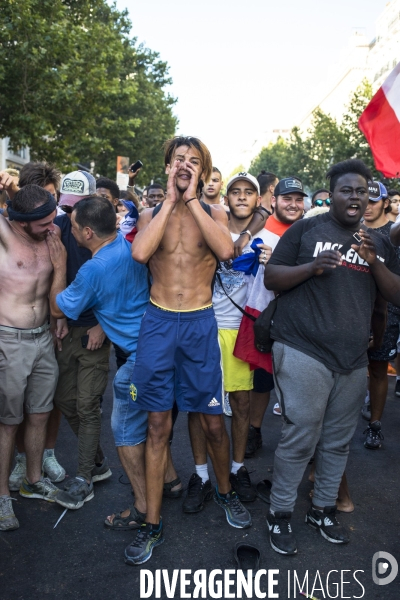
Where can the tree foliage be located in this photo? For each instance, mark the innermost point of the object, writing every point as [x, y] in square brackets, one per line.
[74, 86]
[326, 142]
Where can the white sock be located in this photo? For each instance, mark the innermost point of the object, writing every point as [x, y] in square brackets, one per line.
[235, 467]
[366, 398]
[48, 452]
[202, 471]
[397, 378]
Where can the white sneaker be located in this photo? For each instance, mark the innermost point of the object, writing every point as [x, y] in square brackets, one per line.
[226, 406]
[277, 409]
[52, 468]
[18, 473]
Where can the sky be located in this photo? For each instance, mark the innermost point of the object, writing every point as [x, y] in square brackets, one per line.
[242, 69]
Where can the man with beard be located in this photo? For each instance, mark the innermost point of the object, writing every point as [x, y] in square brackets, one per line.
[288, 205]
[178, 356]
[212, 189]
[28, 371]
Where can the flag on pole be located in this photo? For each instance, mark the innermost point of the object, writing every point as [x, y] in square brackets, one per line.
[380, 123]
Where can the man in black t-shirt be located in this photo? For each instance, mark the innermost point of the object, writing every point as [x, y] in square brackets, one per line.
[332, 272]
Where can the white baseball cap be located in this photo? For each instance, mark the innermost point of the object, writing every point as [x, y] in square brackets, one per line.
[245, 176]
[75, 186]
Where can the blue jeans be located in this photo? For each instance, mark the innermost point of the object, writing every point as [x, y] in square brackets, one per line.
[128, 423]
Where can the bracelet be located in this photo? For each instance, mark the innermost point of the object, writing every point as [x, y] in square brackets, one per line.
[248, 233]
[190, 199]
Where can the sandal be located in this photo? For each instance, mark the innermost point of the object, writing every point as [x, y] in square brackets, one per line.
[167, 490]
[124, 523]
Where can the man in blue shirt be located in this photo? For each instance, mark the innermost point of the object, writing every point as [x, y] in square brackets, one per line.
[115, 287]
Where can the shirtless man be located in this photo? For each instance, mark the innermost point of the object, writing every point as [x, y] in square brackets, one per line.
[28, 368]
[178, 353]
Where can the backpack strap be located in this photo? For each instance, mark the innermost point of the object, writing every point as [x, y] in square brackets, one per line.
[252, 317]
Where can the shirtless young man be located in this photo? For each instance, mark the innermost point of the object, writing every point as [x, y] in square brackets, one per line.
[28, 367]
[178, 353]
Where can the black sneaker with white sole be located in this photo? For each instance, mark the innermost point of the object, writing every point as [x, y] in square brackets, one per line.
[101, 471]
[281, 536]
[76, 492]
[397, 388]
[326, 522]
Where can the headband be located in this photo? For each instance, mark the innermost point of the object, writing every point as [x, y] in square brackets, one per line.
[40, 212]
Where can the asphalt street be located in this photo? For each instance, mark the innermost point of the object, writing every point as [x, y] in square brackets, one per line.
[80, 558]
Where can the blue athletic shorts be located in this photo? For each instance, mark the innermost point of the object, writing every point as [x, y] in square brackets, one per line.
[178, 357]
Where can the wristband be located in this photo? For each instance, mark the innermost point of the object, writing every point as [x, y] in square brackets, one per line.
[190, 199]
[248, 233]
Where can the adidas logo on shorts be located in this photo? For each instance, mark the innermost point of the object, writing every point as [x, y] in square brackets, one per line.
[213, 402]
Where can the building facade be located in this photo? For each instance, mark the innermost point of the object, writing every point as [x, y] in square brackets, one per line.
[372, 60]
[9, 159]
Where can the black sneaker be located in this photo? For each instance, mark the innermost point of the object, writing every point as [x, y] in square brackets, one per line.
[374, 436]
[326, 522]
[76, 492]
[142, 546]
[242, 485]
[197, 494]
[236, 514]
[397, 388]
[254, 442]
[101, 471]
[281, 536]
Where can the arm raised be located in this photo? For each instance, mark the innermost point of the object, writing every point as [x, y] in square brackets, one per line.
[151, 231]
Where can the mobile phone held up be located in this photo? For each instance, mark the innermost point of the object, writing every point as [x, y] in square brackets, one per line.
[136, 166]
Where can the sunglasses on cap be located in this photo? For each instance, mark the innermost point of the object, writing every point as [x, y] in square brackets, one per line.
[67, 209]
[321, 202]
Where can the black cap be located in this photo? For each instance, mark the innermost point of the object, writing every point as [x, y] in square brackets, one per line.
[289, 185]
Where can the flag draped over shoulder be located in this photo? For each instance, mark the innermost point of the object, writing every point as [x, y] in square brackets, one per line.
[380, 123]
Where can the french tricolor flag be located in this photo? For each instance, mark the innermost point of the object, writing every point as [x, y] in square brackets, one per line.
[380, 123]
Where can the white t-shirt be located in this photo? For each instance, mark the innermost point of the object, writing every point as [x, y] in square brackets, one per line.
[237, 285]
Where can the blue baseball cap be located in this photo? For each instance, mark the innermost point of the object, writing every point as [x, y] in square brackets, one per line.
[377, 191]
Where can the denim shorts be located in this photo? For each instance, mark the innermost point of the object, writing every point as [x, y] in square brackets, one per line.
[128, 422]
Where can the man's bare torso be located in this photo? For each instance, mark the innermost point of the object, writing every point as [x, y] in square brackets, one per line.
[183, 266]
[25, 271]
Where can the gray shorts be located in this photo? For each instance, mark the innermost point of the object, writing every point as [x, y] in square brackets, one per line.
[28, 374]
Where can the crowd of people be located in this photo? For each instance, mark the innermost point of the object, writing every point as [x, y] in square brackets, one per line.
[174, 280]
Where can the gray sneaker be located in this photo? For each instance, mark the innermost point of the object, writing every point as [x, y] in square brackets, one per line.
[18, 473]
[52, 468]
[236, 514]
[101, 472]
[8, 521]
[77, 493]
[42, 489]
